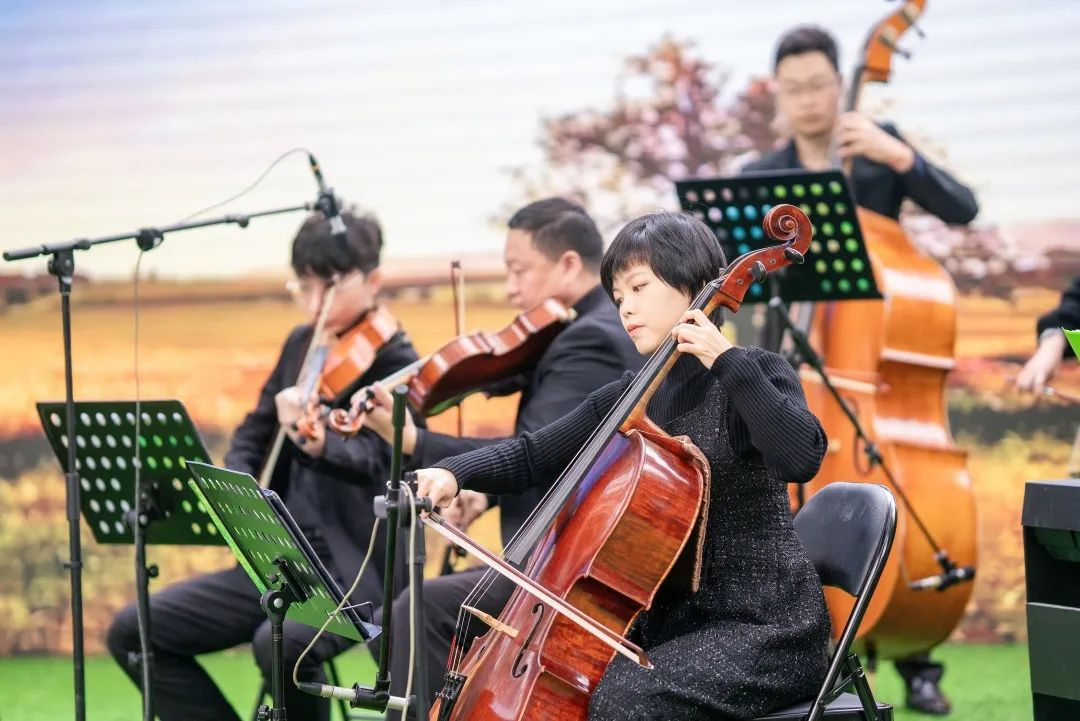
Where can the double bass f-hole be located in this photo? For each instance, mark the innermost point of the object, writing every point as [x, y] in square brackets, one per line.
[520, 664]
[861, 459]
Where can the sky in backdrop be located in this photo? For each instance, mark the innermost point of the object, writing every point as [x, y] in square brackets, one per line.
[118, 115]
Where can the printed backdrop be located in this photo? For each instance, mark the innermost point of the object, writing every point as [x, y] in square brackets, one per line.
[441, 119]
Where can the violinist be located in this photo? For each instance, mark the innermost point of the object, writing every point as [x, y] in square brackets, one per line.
[885, 170]
[753, 635]
[552, 250]
[1053, 347]
[328, 488]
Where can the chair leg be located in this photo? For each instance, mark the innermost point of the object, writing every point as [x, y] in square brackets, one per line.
[258, 700]
[858, 681]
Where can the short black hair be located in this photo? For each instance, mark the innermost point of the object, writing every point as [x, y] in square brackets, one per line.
[316, 252]
[558, 225]
[678, 247]
[807, 39]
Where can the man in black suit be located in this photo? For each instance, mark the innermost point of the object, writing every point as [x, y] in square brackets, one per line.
[328, 484]
[553, 250]
[884, 171]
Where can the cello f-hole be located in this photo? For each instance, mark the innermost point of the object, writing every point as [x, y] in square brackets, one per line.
[520, 665]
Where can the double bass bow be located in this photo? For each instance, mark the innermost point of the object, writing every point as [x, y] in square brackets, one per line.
[905, 351]
[601, 541]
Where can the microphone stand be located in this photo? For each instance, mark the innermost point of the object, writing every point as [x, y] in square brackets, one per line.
[391, 506]
[394, 508]
[62, 265]
[951, 573]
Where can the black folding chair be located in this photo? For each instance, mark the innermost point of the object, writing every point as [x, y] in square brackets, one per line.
[847, 529]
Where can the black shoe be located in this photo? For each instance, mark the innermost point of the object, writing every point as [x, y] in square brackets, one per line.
[924, 696]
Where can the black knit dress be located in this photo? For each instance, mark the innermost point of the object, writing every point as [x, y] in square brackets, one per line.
[754, 637]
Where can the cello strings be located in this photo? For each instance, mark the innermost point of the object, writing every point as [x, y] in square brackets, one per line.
[547, 504]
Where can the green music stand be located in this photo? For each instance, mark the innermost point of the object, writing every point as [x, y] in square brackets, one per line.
[280, 562]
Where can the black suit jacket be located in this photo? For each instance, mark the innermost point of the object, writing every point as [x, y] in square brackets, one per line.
[591, 352]
[1066, 315]
[881, 189]
[344, 481]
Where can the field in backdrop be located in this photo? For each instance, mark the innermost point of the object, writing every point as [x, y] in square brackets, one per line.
[212, 344]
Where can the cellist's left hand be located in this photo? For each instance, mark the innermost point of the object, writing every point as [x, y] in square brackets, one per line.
[380, 419]
[698, 336]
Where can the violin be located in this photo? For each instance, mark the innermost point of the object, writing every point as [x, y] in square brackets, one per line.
[466, 365]
[905, 351]
[606, 537]
[338, 367]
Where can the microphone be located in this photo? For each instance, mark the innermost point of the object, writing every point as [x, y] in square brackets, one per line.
[355, 695]
[951, 577]
[327, 203]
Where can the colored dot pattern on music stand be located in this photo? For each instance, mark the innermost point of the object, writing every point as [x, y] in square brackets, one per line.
[836, 265]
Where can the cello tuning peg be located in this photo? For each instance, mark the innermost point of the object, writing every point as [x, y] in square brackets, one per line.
[918, 31]
[757, 270]
[793, 255]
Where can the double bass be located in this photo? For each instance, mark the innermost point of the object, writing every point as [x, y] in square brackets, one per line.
[900, 350]
[601, 542]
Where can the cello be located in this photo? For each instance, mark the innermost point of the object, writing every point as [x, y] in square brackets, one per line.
[601, 542]
[904, 352]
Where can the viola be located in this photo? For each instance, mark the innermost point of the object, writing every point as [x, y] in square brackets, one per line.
[467, 364]
[905, 349]
[606, 537]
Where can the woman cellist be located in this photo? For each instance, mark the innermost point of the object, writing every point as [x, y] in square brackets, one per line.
[753, 633]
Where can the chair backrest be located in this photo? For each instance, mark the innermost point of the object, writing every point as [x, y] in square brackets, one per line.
[845, 528]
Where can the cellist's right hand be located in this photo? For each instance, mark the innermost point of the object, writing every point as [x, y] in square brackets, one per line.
[438, 484]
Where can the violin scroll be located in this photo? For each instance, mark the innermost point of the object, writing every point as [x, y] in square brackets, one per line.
[784, 223]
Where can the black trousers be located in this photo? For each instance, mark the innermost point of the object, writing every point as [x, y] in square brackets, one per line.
[443, 597]
[210, 613]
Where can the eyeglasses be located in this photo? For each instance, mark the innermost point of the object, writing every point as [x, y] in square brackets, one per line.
[817, 86]
[303, 289]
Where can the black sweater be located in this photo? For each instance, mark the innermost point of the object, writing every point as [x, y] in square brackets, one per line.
[753, 634]
[771, 424]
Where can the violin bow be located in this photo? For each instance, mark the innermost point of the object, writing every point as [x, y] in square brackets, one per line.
[457, 283]
[320, 324]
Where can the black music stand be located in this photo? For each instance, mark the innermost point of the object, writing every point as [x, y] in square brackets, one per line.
[281, 563]
[162, 510]
[837, 265]
[105, 460]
